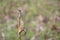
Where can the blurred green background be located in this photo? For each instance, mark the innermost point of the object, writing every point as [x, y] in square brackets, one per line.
[30, 10]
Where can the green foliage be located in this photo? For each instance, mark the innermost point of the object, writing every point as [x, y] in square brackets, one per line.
[36, 7]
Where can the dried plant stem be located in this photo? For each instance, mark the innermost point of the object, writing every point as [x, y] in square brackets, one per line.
[19, 27]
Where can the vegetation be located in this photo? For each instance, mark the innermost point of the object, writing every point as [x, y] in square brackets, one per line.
[31, 10]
